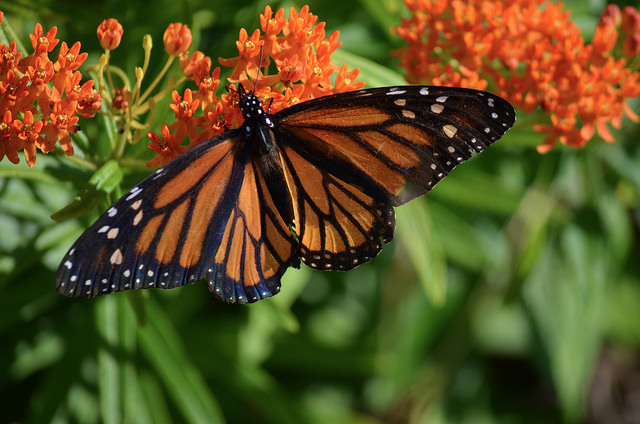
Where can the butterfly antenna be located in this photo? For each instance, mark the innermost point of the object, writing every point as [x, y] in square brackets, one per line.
[255, 83]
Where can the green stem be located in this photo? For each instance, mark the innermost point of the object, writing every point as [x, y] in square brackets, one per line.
[157, 80]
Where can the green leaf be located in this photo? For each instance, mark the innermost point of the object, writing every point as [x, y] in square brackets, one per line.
[423, 249]
[565, 296]
[103, 181]
[165, 352]
[374, 74]
[108, 364]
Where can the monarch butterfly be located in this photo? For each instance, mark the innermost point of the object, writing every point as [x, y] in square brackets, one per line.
[316, 181]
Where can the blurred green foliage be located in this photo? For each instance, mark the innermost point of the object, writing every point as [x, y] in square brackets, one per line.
[511, 293]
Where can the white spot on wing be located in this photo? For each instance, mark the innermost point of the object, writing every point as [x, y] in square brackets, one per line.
[450, 130]
[137, 218]
[424, 91]
[116, 257]
[133, 193]
[395, 92]
[112, 212]
[408, 114]
[436, 108]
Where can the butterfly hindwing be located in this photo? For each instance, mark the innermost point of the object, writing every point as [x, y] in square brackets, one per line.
[257, 246]
[341, 221]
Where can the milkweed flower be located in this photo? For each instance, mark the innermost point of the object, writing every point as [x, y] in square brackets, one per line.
[167, 146]
[110, 33]
[177, 39]
[534, 56]
[40, 98]
[296, 66]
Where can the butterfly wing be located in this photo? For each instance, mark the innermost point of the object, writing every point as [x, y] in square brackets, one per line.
[204, 213]
[257, 246]
[350, 157]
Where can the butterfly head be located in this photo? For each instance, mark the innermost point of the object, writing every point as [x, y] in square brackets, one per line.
[257, 122]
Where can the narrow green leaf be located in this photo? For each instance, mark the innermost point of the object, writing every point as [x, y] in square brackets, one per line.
[423, 249]
[103, 181]
[166, 354]
[108, 364]
[374, 74]
[565, 296]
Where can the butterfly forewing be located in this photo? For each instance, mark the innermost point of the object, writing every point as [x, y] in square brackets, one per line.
[159, 234]
[405, 139]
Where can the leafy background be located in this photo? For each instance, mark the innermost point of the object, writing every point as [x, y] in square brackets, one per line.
[511, 293]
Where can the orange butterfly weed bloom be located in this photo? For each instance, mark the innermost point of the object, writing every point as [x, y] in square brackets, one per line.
[40, 98]
[535, 56]
[177, 39]
[296, 49]
[167, 146]
[110, 33]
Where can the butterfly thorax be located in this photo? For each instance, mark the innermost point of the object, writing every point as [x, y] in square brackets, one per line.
[258, 124]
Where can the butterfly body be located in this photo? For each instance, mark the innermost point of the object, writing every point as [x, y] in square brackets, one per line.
[315, 182]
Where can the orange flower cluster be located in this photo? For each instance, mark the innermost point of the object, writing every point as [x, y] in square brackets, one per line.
[296, 47]
[535, 56]
[40, 99]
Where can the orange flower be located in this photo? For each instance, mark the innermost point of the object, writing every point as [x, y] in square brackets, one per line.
[37, 87]
[10, 144]
[9, 57]
[70, 59]
[43, 43]
[89, 101]
[291, 69]
[185, 112]
[29, 132]
[271, 26]
[110, 33]
[298, 50]
[62, 122]
[177, 39]
[631, 45]
[167, 147]
[534, 56]
[630, 20]
[196, 66]
[249, 49]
